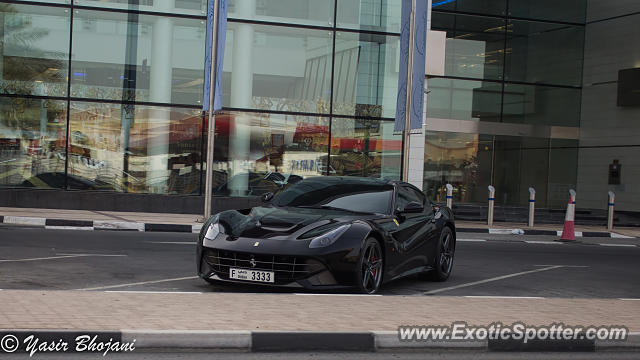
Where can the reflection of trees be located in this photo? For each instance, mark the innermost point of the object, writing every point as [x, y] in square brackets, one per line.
[28, 70]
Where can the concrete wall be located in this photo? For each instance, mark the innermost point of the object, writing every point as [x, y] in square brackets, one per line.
[611, 44]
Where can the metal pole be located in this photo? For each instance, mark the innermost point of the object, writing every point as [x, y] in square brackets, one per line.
[492, 198]
[449, 196]
[612, 200]
[212, 117]
[407, 113]
[532, 205]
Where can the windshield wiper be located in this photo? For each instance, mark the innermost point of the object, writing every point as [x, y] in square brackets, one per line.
[329, 207]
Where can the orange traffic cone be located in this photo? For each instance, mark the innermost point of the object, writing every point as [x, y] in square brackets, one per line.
[568, 232]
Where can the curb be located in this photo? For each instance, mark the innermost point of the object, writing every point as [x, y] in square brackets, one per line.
[541, 232]
[101, 225]
[288, 341]
[105, 225]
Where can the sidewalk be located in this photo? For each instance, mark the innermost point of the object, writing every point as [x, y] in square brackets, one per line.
[257, 322]
[115, 220]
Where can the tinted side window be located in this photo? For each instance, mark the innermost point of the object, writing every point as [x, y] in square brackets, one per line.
[405, 196]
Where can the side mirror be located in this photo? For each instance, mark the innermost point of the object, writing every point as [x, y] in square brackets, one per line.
[413, 207]
[266, 197]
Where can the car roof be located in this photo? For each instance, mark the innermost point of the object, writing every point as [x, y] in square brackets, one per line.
[350, 180]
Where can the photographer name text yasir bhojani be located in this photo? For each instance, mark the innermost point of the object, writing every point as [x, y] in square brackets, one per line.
[32, 344]
[461, 331]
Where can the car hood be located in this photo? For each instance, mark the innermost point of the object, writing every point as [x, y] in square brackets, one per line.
[283, 222]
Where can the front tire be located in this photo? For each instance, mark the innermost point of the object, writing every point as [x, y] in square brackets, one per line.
[444, 256]
[370, 267]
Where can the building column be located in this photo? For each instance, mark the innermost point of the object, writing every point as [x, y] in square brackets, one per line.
[241, 97]
[160, 91]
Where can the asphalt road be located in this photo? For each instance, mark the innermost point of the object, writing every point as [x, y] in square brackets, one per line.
[43, 259]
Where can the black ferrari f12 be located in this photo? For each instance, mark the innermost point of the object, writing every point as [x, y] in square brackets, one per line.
[328, 233]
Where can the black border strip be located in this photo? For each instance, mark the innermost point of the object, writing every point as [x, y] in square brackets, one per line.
[263, 341]
[64, 222]
[167, 228]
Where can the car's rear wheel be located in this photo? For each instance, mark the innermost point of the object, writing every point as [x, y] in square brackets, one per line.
[370, 265]
[444, 256]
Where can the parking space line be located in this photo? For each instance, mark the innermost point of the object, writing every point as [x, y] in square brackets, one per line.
[436, 291]
[173, 242]
[151, 292]
[471, 240]
[61, 256]
[543, 242]
[138, 283]
[620, 245]
[629, 299]
[314, 294]
[502, 297]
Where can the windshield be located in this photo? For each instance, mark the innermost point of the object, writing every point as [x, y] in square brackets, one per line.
[369, 197]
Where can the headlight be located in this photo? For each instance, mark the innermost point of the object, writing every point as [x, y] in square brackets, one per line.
[213, 231]
[329, 237]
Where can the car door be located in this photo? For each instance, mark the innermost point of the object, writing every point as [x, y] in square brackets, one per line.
[412, 233]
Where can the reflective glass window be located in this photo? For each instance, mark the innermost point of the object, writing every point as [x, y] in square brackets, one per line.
[277, 68]
[189, 7]
[375, 15]
[462, 160]
[34, 54]
[489, 7]
[474, 46]
[563, 171]
[136, 149]
[463, 99]
[32, 142]
[256, 153]
[366, 148]
[120, 56]
[544, 53]
[541, 105]
[365, 75]
[308, 12]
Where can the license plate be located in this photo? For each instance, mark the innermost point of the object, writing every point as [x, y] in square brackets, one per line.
[251, 275]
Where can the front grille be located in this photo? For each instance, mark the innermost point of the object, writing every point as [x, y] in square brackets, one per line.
[285, 268]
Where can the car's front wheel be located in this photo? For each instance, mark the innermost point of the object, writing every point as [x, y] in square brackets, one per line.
[444, 256]
[370, 266]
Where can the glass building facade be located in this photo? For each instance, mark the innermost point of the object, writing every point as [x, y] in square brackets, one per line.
[106, 95]
[505, 108]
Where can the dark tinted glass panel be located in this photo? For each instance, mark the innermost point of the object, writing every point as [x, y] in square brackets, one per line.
[34, 56]
[520, 163]
[189, 7]
[541, 105]
[489, 7]
[544, 53]
[463, 99]
[564, 10]
[137, 149]
[259, 153]
[376, 15]
[32, 142]
[474, 47]
[332, 193]
[462, 160]
[366, 148]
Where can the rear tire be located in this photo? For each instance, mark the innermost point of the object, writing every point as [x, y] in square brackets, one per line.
[444, 256]
[370, 267]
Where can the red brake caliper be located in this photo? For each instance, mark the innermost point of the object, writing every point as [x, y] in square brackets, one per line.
[374, 270]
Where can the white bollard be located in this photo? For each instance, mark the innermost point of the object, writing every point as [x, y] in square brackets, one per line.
[532, 205]
[612, 200]
[449, 196]
[492, 198]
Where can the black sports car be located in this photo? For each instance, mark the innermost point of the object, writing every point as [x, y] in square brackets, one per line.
[330, 232]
